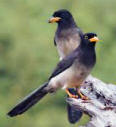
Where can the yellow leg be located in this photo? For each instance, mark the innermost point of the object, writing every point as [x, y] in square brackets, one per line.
[71, 95]
[82, 96]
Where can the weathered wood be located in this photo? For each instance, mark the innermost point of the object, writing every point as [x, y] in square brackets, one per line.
[102, 104]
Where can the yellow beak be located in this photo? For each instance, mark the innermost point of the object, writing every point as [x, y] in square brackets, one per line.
[94, 39]
[54, 19]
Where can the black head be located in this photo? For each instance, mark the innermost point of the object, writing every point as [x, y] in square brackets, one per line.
[63, 14]
[91, 37]
[62, 17]
[87, 47]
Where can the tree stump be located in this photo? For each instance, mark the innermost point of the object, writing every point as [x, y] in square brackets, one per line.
[102, 104]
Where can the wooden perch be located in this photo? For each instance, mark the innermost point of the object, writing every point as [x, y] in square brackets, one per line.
[102, 104]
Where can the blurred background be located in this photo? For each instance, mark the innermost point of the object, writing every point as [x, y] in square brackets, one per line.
[28, 55]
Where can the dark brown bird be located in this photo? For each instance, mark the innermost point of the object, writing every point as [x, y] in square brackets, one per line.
[67, 38]
[70, 72]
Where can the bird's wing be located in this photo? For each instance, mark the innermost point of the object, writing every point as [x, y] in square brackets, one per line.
[64, 64]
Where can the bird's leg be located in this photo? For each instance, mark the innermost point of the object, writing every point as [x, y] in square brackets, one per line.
[81, 95]
[70, 95]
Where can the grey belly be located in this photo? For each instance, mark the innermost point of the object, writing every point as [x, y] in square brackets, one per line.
[69, 78]
[65, 47]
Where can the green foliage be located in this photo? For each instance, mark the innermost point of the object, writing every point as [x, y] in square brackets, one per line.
[27, 54]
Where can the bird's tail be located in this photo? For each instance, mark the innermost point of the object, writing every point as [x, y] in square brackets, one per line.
[74, 115]
[29, 101]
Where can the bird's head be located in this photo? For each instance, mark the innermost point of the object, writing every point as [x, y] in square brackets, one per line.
[91, 38]
[62, 17]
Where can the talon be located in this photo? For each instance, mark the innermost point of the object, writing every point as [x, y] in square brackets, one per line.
[71, 95]
[83, 97]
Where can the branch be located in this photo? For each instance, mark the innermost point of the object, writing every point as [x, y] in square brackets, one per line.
[102, 104]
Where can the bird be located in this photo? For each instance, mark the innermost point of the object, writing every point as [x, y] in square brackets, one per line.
[69, 72]
[67, 38]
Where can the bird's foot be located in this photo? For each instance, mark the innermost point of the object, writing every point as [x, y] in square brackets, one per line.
[83, 97]
[71, 95]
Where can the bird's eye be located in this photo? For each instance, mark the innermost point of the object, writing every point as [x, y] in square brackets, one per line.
[86, 37]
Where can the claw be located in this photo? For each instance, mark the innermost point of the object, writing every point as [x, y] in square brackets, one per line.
[83, 97]
[71, 95]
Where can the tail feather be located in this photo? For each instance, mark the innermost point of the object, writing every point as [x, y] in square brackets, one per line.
[29, 101]
[74, 115]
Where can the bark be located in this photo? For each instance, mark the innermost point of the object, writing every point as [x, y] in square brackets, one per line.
[102, 104]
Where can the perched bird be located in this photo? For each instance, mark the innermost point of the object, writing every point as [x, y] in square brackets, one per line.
[70, 72]
[67, 38]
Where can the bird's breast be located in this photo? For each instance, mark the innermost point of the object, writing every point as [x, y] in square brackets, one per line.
[65, 45]
[80, 73]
